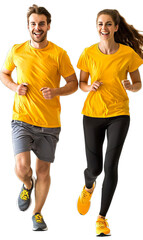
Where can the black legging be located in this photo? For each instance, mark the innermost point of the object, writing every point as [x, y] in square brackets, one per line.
[94, 131]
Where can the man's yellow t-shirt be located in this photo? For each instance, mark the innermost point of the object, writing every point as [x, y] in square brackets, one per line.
[111, 98]
[39, 68]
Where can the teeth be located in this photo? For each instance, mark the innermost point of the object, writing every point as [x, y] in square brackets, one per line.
[37, 33]
[104, 33]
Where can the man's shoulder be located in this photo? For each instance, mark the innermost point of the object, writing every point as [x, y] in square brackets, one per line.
[19, 46]
[56, 48]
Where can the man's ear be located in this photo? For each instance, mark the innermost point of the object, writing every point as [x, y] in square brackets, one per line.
[49, 26]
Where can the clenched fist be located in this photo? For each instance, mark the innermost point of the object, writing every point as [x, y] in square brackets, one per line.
[127, 85]
[48, 93]
[95, 86]
[22, 89]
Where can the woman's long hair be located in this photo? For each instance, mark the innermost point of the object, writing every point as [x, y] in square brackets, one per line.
[126, 33]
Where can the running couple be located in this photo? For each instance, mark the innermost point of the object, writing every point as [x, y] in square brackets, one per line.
[36, 111]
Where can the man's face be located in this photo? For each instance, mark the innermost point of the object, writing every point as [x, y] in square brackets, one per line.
[38, 27]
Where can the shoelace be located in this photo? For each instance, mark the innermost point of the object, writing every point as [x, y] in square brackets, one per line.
[103, 224]
[85, 195]
[38, 218]
[24, 195]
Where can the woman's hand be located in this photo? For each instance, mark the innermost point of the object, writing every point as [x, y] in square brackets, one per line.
[127, 85]
[94, 87]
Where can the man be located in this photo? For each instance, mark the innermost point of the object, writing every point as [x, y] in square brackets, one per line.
[36, 111]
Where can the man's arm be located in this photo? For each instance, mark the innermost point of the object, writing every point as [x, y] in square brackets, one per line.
[5, 77]
[70, 87]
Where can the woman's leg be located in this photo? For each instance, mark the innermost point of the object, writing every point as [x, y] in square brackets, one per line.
[94, 136]
[116, 133]
[94, 132]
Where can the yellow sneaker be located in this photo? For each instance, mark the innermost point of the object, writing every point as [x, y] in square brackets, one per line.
[83, 203]
[102, 227]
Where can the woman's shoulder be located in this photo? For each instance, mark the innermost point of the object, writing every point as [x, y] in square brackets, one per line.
[91, 49]
[126, 49]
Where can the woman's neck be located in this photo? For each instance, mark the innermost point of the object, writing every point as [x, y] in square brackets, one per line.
[108, 47]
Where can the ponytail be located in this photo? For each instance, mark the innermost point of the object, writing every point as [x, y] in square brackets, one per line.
[126, 33]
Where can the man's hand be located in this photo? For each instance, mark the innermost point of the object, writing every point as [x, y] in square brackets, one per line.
[48, 93]
[22, 89]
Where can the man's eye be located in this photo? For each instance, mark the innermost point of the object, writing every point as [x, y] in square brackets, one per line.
[41, 24]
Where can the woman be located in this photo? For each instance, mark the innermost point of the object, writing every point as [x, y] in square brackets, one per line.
[106, 108]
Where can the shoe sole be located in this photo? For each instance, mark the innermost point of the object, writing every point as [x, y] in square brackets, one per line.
[40, 229]
[103, 235]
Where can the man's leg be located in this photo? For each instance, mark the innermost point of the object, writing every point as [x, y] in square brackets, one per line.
[42, 184]
[24, 173]
[23, 168]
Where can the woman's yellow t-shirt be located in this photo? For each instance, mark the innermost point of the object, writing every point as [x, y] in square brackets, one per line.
[39, 68]
[111, 98]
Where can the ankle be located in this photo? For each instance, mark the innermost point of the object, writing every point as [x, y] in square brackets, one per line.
[100, 216]
[90, 190]
[28, 186]
[36, 212]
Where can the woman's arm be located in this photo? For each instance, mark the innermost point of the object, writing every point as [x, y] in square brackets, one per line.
[83, 83]
[136, 82]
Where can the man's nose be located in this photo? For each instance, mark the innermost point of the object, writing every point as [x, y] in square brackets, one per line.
[37, 27]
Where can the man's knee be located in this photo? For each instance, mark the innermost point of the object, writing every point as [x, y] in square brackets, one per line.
[43, 170]
[22, 164]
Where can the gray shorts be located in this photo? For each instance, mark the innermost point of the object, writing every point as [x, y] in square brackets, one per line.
[42, 141]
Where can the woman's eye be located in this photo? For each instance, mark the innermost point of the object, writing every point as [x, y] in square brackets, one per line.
[109, 24]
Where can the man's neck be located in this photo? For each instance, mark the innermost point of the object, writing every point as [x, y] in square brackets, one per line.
[39, 45]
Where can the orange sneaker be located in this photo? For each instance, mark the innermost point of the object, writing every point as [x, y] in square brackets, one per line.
[83, 203]
[102, 227]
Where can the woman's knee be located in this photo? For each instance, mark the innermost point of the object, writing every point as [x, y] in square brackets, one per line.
[93, 172]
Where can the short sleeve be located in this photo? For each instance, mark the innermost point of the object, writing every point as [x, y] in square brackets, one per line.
[135, 62]
[83, 62]
[9, 62]
[65, 67]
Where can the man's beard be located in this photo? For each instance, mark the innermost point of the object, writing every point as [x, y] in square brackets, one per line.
[40, 39]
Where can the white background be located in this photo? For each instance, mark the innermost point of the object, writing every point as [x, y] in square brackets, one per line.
[73, 27]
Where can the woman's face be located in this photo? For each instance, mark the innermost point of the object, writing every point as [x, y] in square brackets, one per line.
[106, 27]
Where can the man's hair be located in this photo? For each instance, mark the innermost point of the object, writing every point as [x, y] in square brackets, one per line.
[38, 10]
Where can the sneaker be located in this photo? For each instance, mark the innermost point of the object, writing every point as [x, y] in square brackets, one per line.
[102, 227]
[38, 223]
[24, 198]
[83, 203]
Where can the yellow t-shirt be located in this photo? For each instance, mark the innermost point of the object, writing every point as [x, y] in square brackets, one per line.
[39, 68]
[111, 98]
